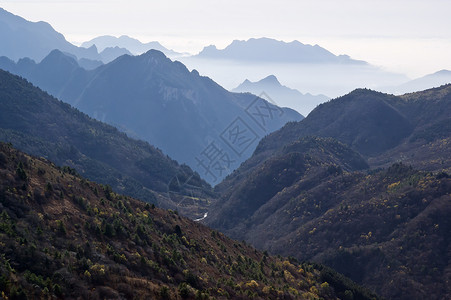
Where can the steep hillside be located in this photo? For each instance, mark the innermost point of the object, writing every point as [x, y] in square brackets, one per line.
[40, 124]
[378, 228]
[427, 148]
[160, 101]
[248, 190]
[66, 237]
[363, 119]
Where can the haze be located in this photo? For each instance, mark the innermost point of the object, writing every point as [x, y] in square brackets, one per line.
[410, 37]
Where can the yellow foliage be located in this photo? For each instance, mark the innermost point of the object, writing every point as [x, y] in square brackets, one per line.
[267, 289]
[287, 275]
[314, 290]
[97, 269]
[293, 291]
[325, 286]
[252, 284]
[394, 185]
[286, 264]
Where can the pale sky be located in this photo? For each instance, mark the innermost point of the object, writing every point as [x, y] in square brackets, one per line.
[407, 36]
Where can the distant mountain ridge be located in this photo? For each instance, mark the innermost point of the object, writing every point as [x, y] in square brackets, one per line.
[270, 50]
[58, 74]
[307, 68]
[436, 79]
[281, 95]
[22, 38]
[35, 40]
[131, 44]
[111, 53]
[155, 99]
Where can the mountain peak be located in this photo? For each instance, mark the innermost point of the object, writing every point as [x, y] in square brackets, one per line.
[443, 72]
[211, 49]
[56, 57]
[271, 79]
[155, 54]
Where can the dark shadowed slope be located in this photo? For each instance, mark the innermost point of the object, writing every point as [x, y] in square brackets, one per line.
[365, 120]
[380, 229]
[305, 196]
[384, 128]
[251, 188]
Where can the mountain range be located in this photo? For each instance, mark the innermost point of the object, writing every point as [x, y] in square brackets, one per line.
[35, 40]
[44, 126]
[361, 184]
[281, 95]
[155, 99]
[270, 50]
[300, 65]
[66, 237]
[303, 196]
[125, 42]
[307, 68]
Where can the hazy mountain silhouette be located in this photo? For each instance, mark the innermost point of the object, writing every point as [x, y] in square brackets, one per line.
[133, 45]
[281, 95]
[270, 50]
[21, 38]
[58, 74]
[35, 40]
[111, 53]
[426, 82]
[307, 68]
[89, 64]
[160, 101]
